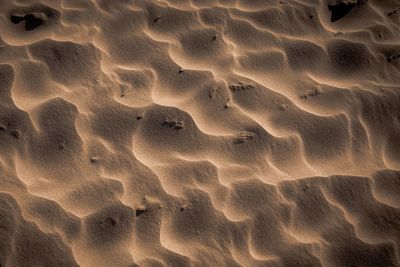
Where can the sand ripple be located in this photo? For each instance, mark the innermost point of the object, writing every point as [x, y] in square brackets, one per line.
[199, 133]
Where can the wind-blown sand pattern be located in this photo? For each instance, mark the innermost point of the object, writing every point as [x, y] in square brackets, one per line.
[199, 133]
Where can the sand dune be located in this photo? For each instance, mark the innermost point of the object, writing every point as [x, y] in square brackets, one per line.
[199, 133]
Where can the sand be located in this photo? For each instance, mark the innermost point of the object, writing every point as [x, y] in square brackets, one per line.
[199, 133]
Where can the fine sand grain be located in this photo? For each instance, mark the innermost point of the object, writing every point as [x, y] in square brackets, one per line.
[199, 133]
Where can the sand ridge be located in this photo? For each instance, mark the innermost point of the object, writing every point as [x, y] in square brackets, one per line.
[199, 133]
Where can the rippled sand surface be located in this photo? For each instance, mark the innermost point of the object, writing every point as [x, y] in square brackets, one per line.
[199, 133]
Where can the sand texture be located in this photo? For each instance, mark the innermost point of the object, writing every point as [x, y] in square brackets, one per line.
[199, 133]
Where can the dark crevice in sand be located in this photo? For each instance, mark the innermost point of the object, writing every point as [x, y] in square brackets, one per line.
[340, 10]
[17, 19]
[31, 21]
